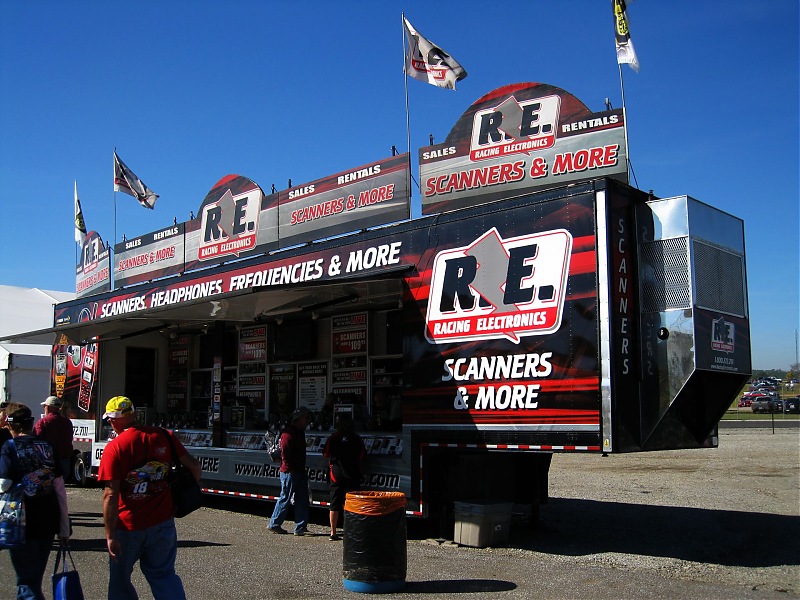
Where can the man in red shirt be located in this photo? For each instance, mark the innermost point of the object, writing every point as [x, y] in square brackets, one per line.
[294, 481]
[56, 430]
[137, 504]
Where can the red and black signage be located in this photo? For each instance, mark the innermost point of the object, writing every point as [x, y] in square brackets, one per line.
[510, 330]
[517, 139]
[149, 256]
[93, 273]
[235, 219]
[363, 197]
[74, 377]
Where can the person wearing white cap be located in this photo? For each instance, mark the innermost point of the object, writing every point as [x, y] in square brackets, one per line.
[56, 430]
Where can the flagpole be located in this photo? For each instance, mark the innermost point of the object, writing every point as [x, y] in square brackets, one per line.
[625, 126]
[75, 224]
[624, 117]
[408, 118]
[405, 80]
[115, 196]
[625, 54]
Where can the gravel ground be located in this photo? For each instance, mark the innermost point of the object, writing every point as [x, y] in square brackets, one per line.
[721, 523]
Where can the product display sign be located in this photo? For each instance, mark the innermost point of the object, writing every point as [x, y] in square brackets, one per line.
[253, 344]
[149, 256]
[517, 139]
[312, 386]
[366, 196]
[93, 271]
[74, 376]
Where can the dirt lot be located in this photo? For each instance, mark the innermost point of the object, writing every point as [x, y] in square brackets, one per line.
[721, 523]
[728, 515]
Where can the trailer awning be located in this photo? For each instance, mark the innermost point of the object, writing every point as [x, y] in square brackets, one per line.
[381, 291]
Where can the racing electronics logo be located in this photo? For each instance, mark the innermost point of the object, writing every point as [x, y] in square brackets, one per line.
[515, 127]
[722, 335]
[230, 225]
[495, 288]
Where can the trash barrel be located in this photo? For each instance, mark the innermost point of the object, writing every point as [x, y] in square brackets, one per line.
[374, 542]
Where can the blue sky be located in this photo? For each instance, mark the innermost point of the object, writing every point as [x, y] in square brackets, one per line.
[190, 91]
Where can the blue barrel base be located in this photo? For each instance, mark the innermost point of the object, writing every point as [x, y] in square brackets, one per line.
[373, 587]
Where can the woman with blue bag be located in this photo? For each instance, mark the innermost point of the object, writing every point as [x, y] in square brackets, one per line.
[29, 463]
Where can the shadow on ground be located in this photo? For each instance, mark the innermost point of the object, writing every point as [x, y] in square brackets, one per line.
[459, 586]
[574, 527]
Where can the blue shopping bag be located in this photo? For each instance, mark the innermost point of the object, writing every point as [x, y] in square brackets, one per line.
[66, 582]
[12, 517]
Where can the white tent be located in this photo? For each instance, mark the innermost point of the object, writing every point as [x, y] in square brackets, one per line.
[25, 368]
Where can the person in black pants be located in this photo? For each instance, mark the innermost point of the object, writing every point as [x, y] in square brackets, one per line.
[31, 462]
[345, 453]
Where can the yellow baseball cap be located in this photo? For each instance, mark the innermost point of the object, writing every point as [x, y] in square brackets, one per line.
[118, 406]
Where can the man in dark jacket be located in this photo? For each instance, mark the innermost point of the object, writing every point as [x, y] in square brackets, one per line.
[345, 452]
[294, 480]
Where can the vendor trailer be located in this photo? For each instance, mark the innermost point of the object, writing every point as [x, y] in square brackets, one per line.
[591, 318]
[539, 305]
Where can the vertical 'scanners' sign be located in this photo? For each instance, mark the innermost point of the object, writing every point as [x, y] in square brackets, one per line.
[93, 271]
[149, 256]
[495, 288]
[366, 196]
[235, 219]
[517, 139]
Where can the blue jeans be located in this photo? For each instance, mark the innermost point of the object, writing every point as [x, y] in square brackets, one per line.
[295, 482]
[30, 561]
[155, 548]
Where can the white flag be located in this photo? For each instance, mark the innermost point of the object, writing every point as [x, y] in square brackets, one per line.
[126, 181]
[427, 62]
[80, 224]
[625, 51]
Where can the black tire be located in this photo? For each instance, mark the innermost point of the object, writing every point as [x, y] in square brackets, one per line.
[79, 475]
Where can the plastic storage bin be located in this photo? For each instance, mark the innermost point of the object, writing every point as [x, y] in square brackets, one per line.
[482, 525]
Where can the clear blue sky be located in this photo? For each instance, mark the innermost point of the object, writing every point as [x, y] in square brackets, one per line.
[190, 91]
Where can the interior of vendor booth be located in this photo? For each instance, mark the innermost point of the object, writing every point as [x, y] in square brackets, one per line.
[233, 368]
[245, 378]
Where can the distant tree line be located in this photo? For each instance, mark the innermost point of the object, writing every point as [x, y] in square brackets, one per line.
[783, 374]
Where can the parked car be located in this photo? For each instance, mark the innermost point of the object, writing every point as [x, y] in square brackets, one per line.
[748, 398]
[766, 404]
[791, 404]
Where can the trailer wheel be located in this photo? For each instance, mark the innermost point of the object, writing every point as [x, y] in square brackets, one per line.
[79, 471]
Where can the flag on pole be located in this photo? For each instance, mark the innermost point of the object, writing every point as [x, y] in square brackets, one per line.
[427, 62]
[126, 181]
[625, 50]
[80, 224]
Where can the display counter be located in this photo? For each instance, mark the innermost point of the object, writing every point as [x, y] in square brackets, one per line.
[375, 442]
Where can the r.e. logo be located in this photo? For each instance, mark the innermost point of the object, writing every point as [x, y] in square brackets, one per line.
[496, 288]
